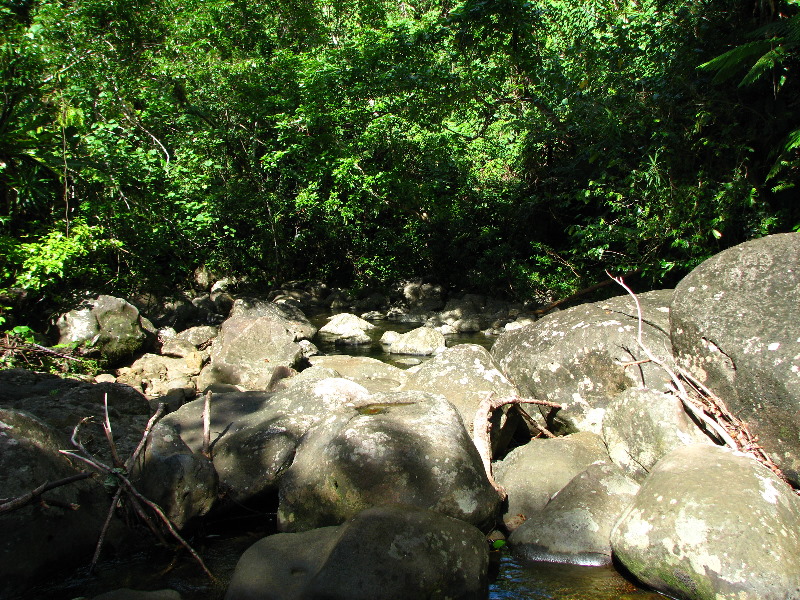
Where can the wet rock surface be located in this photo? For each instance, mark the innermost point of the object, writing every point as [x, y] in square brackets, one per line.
[383, 553]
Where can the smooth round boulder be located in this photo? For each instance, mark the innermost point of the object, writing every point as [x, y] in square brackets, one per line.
[711, 524]
[289, 315]
[533, 473]
[110, 325]
[422, 341]
[59, 530]
[464, 374]
[642, 426]
[735, 328]
[391, 552]
[183, 483]
[582, 357]
[373, 374]
[255, 434]
[248, 350]
[347, 329]
[575, 526]
[402, 447]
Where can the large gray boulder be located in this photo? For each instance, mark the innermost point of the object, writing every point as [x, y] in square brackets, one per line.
[60, 532]
[255, 434]
[403, 447]
[422, 341]
[391, 552]
[533, 473]
[111, 326]
[248, 350]
[583, 356]
[642, 426]
[734, 327]
[183, 483]
[711, 524]
[575, 526]
[373, 374]
[286, 313]
[62, 403]
[466, 374]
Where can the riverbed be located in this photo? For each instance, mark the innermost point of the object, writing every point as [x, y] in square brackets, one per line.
[225, 538]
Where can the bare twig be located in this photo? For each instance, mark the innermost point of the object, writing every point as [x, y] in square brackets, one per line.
[546, 309]
[150, 424]
[157, 509]
[207, 426]
[13, 345]
[25, 499]
[109, 434]
[482, 428]
[746, 441]
[679, 388]
[104, 530]
[129, 488]
[532, 422]
[115, 501]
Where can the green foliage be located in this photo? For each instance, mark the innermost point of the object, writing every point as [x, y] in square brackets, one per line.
[522, 146]
[58, 254]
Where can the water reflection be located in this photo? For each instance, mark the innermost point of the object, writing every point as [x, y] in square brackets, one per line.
[534, 581]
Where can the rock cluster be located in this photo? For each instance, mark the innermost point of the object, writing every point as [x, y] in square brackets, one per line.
[381, 490]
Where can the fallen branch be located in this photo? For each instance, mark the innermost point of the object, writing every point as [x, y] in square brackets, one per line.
[679, 388]
[206, 451]
[118, 495]
[737, 428]
[150, 424]
[15, 344]
[135, 496]
[532, 422]
[730, 429]
[482, 429]
[578, 294]
[28, 498]
[109, 435]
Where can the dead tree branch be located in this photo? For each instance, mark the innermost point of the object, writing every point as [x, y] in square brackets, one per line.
[125, 486]
[706, 406]
[679, 388]
[482, 429]
[25, 499]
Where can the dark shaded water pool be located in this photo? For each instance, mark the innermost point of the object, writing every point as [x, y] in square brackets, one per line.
[158, 569]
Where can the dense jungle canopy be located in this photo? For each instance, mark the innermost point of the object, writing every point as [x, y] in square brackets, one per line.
[521, 147]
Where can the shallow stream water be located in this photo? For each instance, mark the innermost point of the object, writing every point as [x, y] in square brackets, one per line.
[225, 539]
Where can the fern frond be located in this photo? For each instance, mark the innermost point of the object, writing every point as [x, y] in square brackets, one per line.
[763, 64]
[726, 65]
[792, 141]
[785, 28]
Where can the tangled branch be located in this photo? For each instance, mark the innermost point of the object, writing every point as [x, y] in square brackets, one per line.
[13, 348]
[704, 405]
[119, 474]
[25, 499]
[482, 429]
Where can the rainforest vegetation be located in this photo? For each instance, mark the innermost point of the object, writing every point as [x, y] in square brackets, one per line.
[514, 146]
